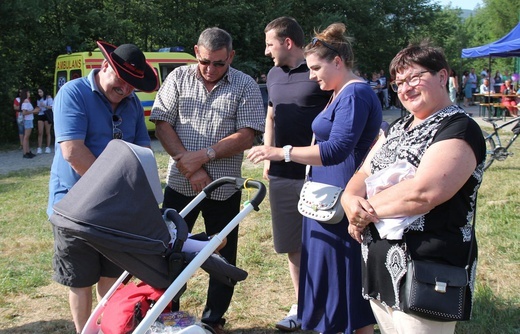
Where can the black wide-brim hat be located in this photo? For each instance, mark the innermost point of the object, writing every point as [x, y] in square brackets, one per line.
[130, 65]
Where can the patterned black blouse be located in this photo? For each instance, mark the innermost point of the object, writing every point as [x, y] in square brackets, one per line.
[443, 234]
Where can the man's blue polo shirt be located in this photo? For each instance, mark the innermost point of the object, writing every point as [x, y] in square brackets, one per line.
[81, 111]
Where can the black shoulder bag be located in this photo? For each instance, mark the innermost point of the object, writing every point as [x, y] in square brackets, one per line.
[436, 291]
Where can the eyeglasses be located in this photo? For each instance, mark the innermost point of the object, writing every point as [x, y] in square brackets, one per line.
[116, 121]
[327, 45]
[218, 63]
[413, 81]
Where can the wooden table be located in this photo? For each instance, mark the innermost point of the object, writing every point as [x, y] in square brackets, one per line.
[493, 103]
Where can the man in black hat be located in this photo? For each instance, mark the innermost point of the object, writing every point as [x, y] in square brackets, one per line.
[88, 113]
[205, 116]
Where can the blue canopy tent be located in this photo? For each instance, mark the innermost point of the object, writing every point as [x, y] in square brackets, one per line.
[507, 46]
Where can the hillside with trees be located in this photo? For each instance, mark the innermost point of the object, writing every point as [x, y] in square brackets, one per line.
[35, 32]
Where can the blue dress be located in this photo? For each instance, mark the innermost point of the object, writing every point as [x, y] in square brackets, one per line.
[467, 90]
[330, 297]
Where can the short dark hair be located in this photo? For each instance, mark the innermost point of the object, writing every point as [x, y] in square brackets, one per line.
[287, 27]
[215, 39]
[422, 53]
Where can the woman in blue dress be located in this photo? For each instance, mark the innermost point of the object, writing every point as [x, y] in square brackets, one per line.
[468, 94]
[330, 296]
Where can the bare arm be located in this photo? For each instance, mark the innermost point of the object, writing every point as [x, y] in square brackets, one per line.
[174, 147]
[169, 139]
[306, 155]
[189, 162]
[443, 170]
[226, 147]
[234, 144]
[268, 137]
[28, 112]
[77, 155]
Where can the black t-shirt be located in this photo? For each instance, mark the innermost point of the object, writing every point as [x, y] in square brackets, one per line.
[296, 100]
[441, 235]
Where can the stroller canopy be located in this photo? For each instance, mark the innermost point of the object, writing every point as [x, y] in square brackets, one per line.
[114, 208]
[116, 201]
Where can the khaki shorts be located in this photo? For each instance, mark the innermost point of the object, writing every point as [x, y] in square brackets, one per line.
[286, 220]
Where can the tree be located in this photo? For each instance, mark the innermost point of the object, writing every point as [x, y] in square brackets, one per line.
[31, 42]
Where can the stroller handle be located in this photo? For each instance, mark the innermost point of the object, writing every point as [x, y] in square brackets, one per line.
[240, 183]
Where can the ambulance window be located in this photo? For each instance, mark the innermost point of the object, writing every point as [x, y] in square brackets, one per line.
[165, 69]
[61, 79]
[75, 74]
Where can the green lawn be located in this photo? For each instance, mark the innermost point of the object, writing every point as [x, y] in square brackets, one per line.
[266, 295]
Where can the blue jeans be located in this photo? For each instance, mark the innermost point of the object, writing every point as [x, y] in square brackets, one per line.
[21, 128]
[216, 214]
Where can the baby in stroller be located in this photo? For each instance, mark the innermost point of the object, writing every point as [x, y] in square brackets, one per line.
[114, 208]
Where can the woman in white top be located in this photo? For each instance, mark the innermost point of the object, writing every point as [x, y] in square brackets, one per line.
[44, 123]
[453, 85]
[28, 112]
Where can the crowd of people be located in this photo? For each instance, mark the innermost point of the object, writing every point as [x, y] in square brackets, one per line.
[486, 83]
[26, 111]
[321, 113]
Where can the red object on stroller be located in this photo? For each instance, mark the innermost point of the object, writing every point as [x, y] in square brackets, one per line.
[128, 306]
[114, 208]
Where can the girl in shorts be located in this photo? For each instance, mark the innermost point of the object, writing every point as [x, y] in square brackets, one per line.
[44, 123]
[28, 112]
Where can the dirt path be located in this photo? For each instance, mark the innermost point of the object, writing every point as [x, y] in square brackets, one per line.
[13, 160]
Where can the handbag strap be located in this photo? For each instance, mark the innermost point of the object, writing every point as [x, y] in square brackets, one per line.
[308, 167]
[473, 235]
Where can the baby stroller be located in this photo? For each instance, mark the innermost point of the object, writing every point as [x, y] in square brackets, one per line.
[114, 208]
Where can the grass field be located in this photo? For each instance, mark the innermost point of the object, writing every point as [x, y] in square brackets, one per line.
[31, 303]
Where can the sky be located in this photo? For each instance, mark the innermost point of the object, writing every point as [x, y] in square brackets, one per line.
[464, 4]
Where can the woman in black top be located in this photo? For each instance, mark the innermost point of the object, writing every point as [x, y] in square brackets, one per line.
[443, 151]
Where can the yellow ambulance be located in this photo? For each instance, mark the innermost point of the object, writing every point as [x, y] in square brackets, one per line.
[79, 64]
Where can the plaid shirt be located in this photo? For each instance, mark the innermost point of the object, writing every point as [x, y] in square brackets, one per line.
[201, 119]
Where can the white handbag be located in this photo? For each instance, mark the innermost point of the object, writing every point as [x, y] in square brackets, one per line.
[321, 202]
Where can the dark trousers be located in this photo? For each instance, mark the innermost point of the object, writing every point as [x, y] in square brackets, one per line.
[216, 214]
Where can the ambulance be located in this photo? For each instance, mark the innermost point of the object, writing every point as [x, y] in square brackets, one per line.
[79, 64]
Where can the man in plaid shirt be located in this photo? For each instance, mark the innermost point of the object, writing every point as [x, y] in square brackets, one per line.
[206, 115]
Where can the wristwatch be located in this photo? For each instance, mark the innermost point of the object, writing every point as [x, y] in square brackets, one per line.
[210, 153]
[287, 153]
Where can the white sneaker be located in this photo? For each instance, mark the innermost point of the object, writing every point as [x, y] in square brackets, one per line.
[47, 150]
[39, 151]
[290, 323]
